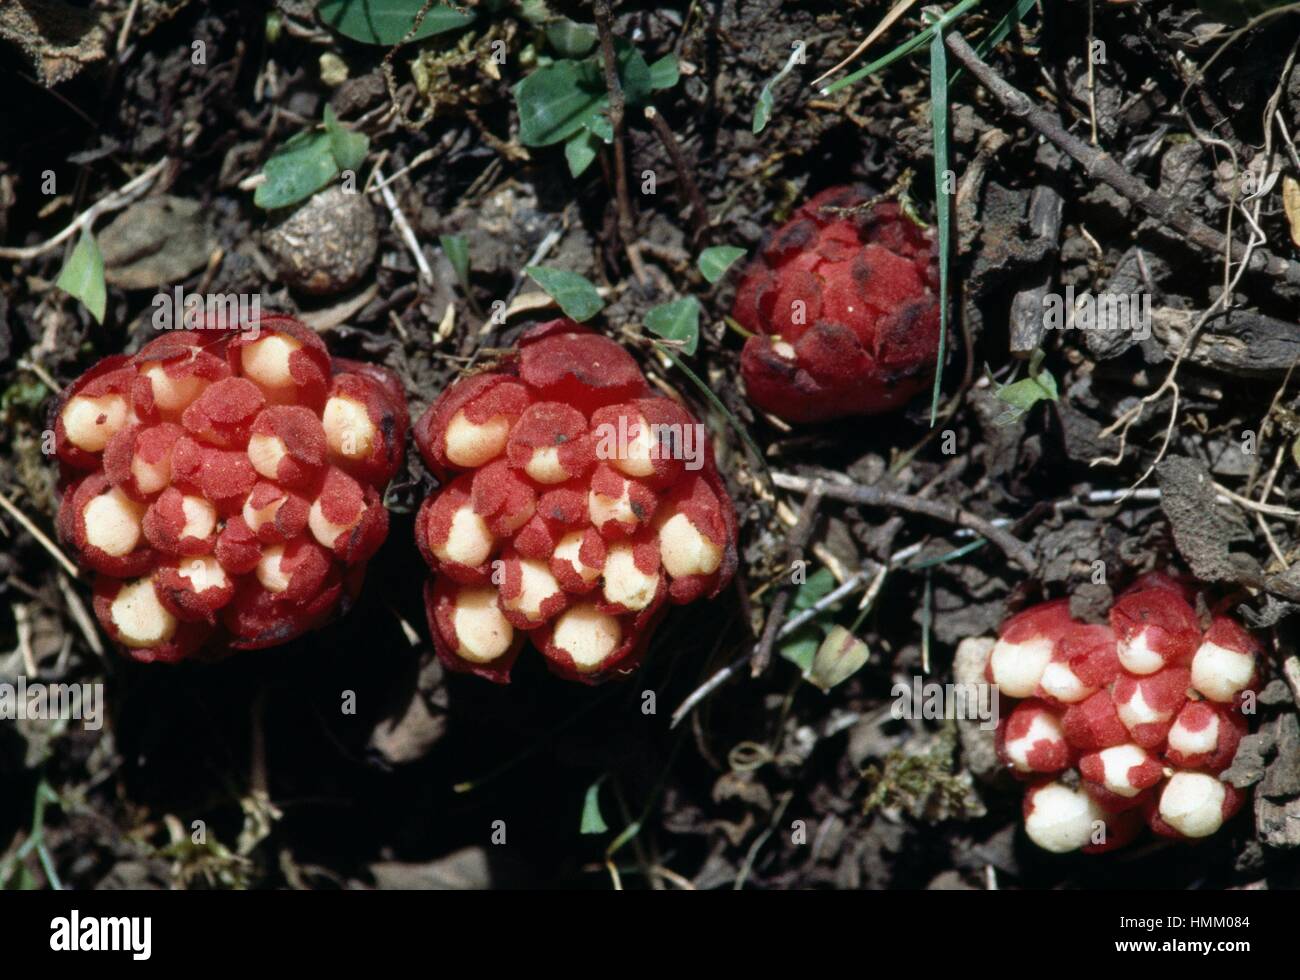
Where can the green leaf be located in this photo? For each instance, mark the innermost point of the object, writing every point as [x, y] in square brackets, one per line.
[297, 170]
[813, 589]
[664, 72]
[678, 320]
[577, 297]
[559, 99]
[600, 127]
[580, 151]
[1027, 392]
[570, 39]
[348, 148]
[763, 109]
[714, 262]
[1023, 394]
[556, 101]
[939, 123]
[633, 73]
[456, 248]
[82, 277]
[592, 820]
[800, 647]
[387, 21]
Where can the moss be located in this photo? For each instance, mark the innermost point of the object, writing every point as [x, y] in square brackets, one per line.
[926, 784]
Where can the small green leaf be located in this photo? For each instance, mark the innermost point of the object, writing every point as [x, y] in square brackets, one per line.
[570, 39]
[349, 148]
[664, 72]
[763, 109]
[1023, 394]
[800, 647]
[577, 297]
[559, 99]
[1027, 392]
[600, 127]
[82, 277]
[556, 101]
[456, 248]
[678, 320]
[714, 262]
[633, 73]
[580, 151]
[592, 820]
[297, 170]
[387, 21]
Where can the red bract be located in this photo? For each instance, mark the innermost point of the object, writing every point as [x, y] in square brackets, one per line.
[845, 311]
[226, 485]
[574, 504]
[1127, 706]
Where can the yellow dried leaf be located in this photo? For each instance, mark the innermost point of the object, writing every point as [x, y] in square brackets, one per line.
[1291, 204]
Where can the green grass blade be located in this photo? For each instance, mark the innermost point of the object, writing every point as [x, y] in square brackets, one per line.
[1014, 15]
[904, 49]
[939, 118]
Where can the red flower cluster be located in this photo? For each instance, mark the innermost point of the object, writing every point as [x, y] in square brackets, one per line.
[225, 484]
[845, 310]
[574, 504]
[1148, 710]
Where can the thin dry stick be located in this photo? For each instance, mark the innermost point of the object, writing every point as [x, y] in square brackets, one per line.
[39, 535]
[797, 542]
[120, 198]
[856, 493]
[404, 228]
[699, 211]
[626, 226]
[1099, 164]
[1258, 506]
[80, 616]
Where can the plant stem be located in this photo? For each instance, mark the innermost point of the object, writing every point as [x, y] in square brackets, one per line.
[626, 224]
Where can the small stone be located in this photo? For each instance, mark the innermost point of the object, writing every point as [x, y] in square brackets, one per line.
[333, 69]
[327, 245]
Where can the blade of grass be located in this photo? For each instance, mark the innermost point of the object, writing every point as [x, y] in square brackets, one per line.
[999, 32]
[939, 118]
[888, 21]
[953, 555]
[904, 49]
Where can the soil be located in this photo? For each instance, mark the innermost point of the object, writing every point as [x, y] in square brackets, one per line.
[350, 759]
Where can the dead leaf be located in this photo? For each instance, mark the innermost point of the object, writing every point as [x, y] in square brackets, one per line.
[1291, 204]
[155, 242]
